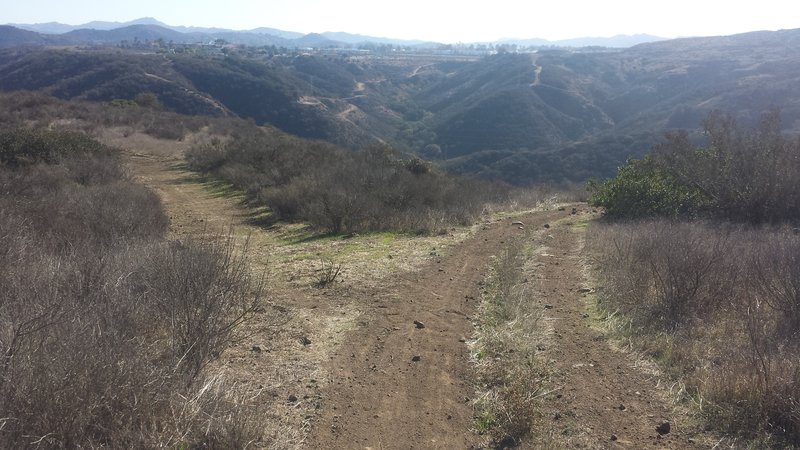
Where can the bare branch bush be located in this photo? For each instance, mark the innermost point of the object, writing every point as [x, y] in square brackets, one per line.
[105, 326]
[328, 272]
[717, 305]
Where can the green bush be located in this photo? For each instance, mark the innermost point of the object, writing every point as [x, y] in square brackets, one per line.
[23, 146]
[745, 175]
[642, 189]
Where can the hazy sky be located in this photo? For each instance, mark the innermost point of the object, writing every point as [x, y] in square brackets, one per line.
[437, 20]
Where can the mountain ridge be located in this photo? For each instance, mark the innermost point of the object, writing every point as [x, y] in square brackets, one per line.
[57, 28]
[548, 115]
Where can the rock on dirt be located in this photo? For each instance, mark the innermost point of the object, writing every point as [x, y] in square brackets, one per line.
[419, 325]
[664, 428]
[517, 223]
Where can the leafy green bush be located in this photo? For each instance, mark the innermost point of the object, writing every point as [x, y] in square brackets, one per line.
[746, 175]
[23, 146]
[642, 189]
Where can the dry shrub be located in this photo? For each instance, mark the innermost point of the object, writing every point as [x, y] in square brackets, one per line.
[717, 305]
[341, 191]
[104, 325]
[202, 291]
[25, 108]
[101, 348]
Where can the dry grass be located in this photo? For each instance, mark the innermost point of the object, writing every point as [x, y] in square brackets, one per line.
[511, 375]
[715, 305]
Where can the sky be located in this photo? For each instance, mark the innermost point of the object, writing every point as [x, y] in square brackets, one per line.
[447, 21]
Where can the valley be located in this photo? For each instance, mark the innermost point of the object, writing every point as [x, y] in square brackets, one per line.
[546, 115]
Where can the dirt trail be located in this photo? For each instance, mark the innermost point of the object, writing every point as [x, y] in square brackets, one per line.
[379, 381]
[602, 397]
[382, 397]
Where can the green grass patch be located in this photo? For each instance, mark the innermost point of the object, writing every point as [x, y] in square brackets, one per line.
[215, 186]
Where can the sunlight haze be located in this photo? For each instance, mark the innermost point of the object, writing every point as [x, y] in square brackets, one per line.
[442, 21]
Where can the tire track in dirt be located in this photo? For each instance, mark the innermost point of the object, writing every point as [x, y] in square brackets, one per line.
[602, 397]
[399, 386]
[375, 396]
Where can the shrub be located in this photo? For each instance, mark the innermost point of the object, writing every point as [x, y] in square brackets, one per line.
[741, 175]
[341, 191]
[29, 146]
[202, 292]
[104, 325]
[717, 305]
[642, 189]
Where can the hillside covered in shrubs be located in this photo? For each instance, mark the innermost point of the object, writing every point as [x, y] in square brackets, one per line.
[338, 190]
[106, 325]
[551, 115]
[700, 260]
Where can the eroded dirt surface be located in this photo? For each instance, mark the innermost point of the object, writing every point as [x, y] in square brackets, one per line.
[395, 385]
[601, 397]
[348, 368]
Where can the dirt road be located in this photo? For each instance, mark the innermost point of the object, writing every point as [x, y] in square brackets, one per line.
[602, 397]
[389, 365]
[397, 385]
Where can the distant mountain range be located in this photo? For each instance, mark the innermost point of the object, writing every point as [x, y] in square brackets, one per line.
[56, 33]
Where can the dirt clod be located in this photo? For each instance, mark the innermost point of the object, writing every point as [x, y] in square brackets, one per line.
[664, 428]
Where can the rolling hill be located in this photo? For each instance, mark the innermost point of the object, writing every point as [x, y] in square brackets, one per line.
[551, 115]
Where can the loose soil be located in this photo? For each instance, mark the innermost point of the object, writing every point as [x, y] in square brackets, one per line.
[347, 367]
[601, 396]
